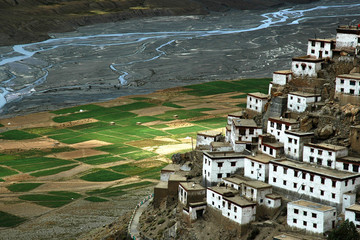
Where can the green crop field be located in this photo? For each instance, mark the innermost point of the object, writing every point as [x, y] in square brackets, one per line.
[173, 105]
[103, 176]
[120, 190]
[186, 130]
[23, 187]
[4, 172]
[9, 220]
[17, 135]
[51, 199]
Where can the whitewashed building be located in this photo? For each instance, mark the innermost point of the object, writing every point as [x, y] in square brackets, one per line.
[293, 146]
[306, 66]
[270, 146]
[281, 77]
[190, 192]
[347, 37]
[256, 191]
[320, 48]
[205, 138]
[234, 182]
[349, 164]
[220, 147]
[272, 200]
[257, 167]
[217, 165]
[310, 216]
[231, 205]
[277, 127]
[244, 134]
[256, 101]
[348, 84]
[168, 170]
[323, 154]
[315, 182]
[299, 101]
[352, 214]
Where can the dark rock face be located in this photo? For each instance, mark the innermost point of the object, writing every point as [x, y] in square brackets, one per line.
[24, 21]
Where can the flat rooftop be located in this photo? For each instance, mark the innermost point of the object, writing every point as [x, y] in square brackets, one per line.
[223, 190]
[273, 144]
[326, 146]
[257, 184]
[302, 166]
[230, 154]
[307, 58]
[328, 40]
[312, 205]
[285, 72]
[258, 95]
[355, 207]
[299, 133]
[245, 123]
[171, 168]
[190, 186]
[351, 76]
[236, 114]
[304, 94]
[348, 159]
[273, 196]
[162, 184]
[209, 133]
[240, 201]
[235, 180]
[259, 157]
[177, 177]
[220, 144]
[283, 120]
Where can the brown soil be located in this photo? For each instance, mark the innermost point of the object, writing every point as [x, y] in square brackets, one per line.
[89, 144]
[38, 143]
[81, 153]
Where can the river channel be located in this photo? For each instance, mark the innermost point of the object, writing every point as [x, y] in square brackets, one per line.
[105, 61]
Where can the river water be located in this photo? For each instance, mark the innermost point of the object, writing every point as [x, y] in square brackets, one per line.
[105, 61]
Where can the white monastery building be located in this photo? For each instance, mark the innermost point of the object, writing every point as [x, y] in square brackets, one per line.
[299, 101]
[323, 154]
[204, 138]
[256, 101]
[349, 164]
[278, 126]
[306, 66]
[243, 133]
[318, 183]
[218, 165]
[347, 36]
[270, 146]
[310, 216]
[280, 77]
[352, 214]
[191, 193]
[231, 205]
[348, 84]
[320, 48]
[257, 167]
[293, 146]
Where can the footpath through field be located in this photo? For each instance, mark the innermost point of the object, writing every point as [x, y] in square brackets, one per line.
[134, 231]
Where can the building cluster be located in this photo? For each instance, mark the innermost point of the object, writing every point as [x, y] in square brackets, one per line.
[242, 169]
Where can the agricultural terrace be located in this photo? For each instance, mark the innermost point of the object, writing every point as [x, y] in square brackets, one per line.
[103, 151]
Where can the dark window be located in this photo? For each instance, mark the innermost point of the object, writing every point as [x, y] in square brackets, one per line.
[219, 175]
[342, 81]
[333, 195]
[296, 211]
[284, 182]
[357, 216]
[352, 82]
[346, 183]
[322, 192]
[311, 189]
[285, 170]
[294, 220]
[312, 51]
[333, 183]
[346, 166]
[278, 126]
[341, 89]
[329, 163]
[355, 168]
[274, 179]
[322, 44]
[251, 131]
[326, 52]
[311, 150]
[330, 153]
[290, 140]
[311, 159]
[252, 164]
[313, 43]
[305, 223]
[274, 168]
[305, 213]
[303, 187]
[295, 185]
[220, 164]
[271, 124]
[314, 225]
[314, 215]
[303, 175]
[235, 209]
[319, 161]
[320, 152]
[223, 203]
[233, 164]
[352, 91]
[322, 180]
[295, 173]
[353, 181]
[311, 177]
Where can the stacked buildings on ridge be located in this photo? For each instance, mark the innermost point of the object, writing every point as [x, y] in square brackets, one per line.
[262, 163]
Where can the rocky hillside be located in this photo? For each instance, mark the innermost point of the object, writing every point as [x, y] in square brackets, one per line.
[23, 21]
